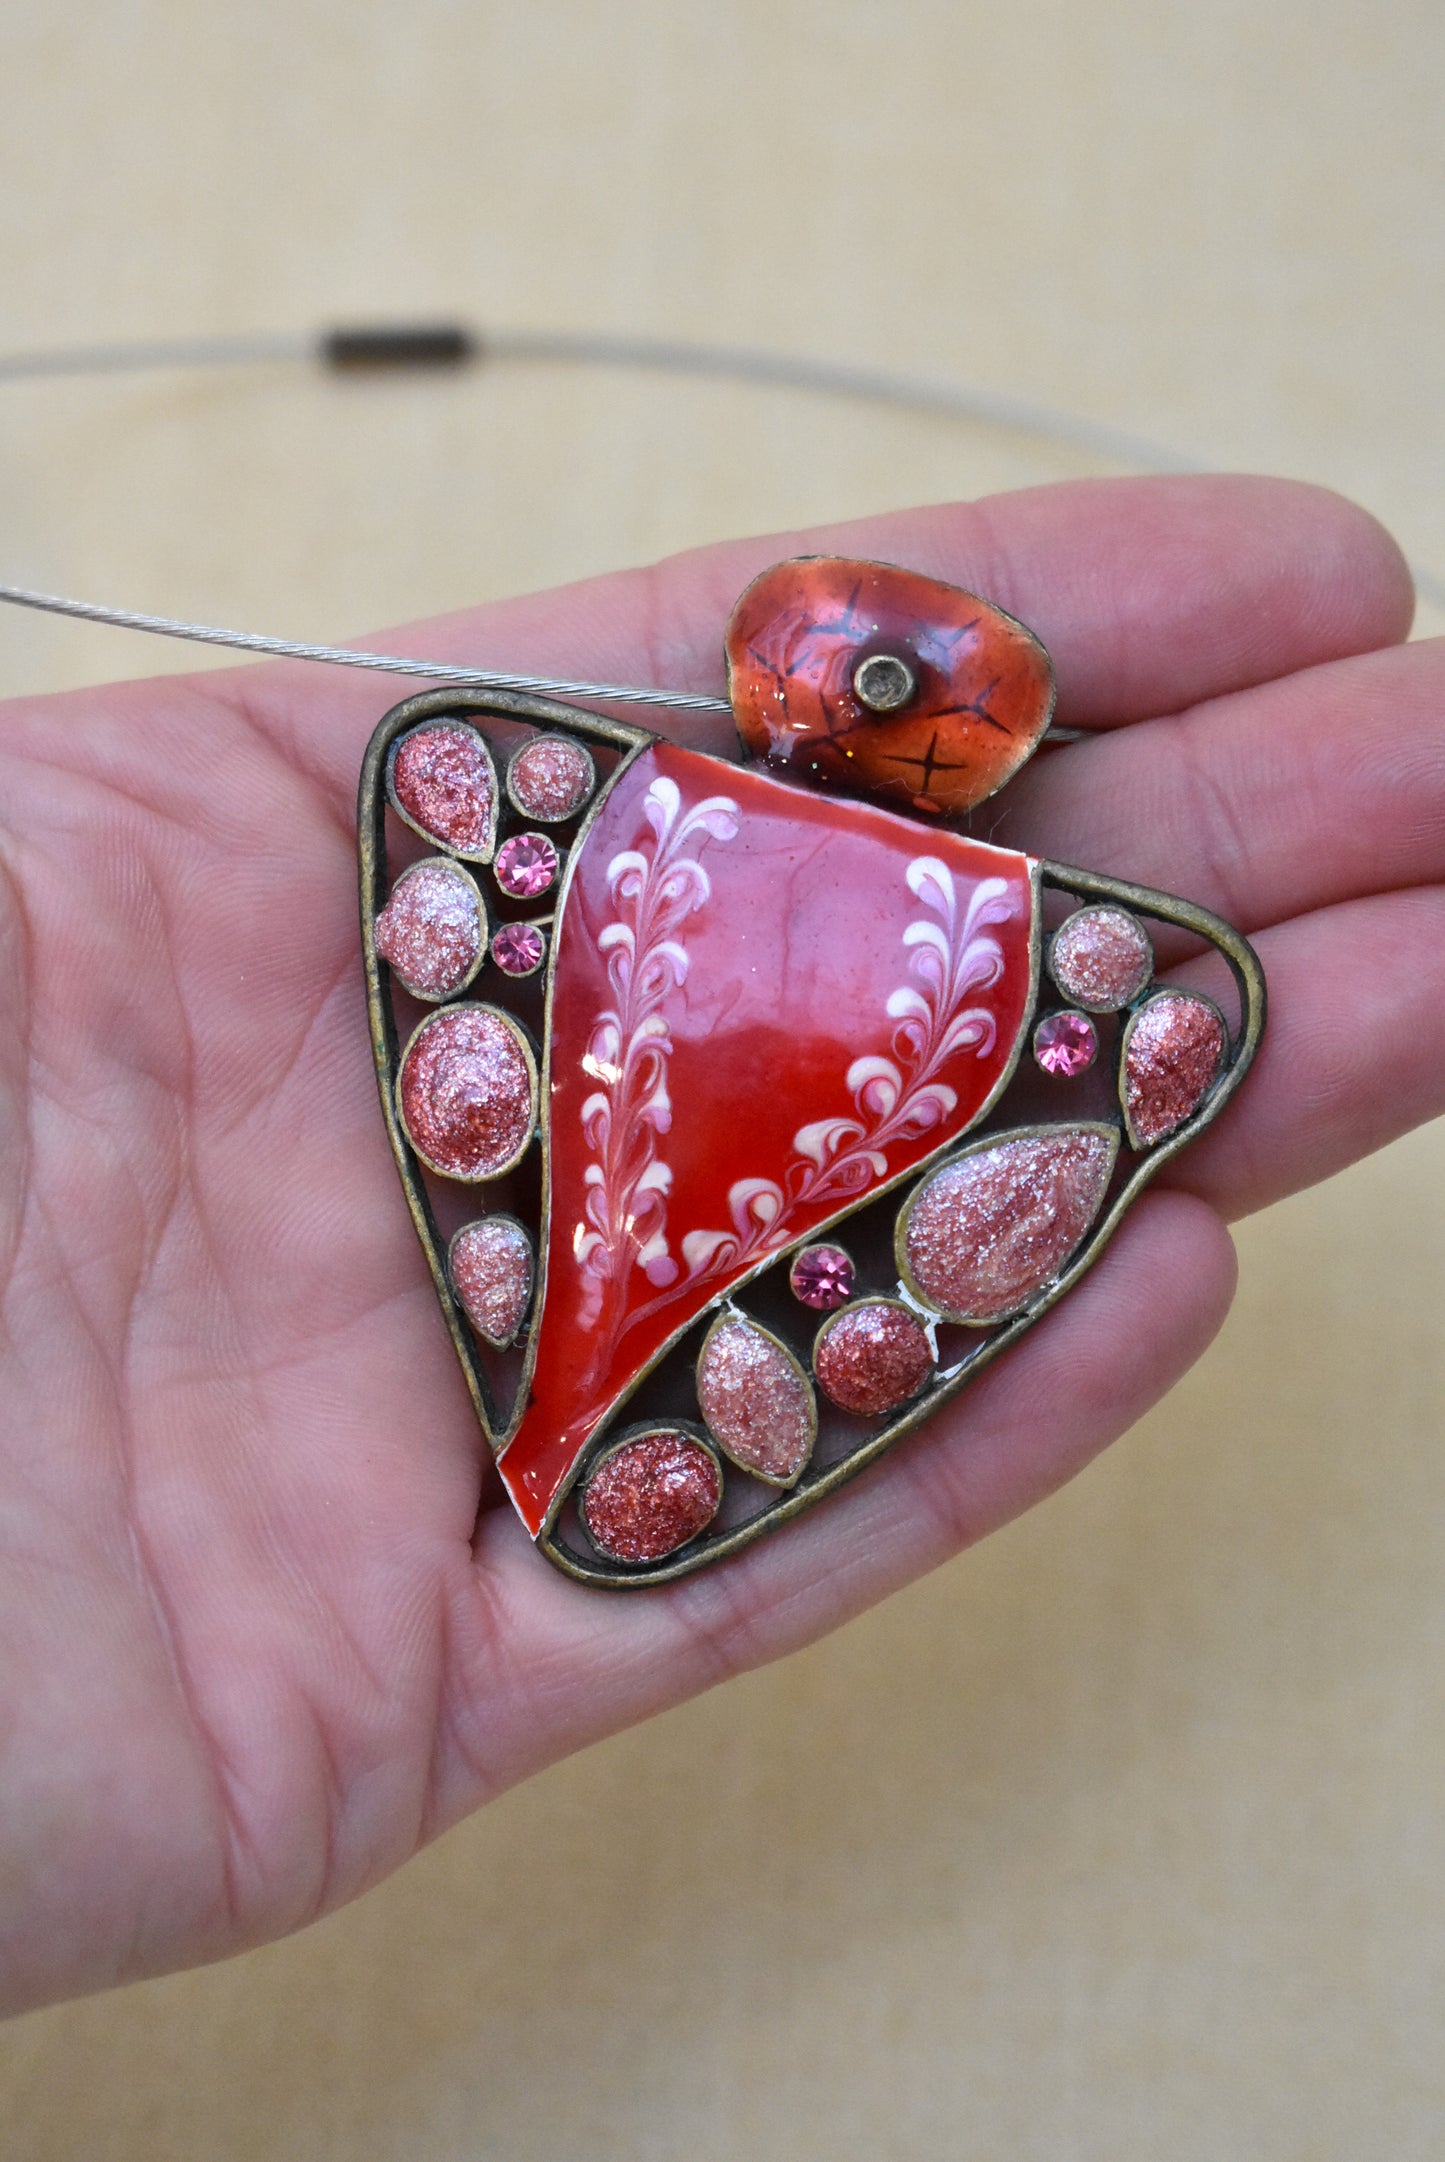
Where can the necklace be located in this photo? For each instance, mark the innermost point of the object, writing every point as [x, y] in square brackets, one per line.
[745, 1111]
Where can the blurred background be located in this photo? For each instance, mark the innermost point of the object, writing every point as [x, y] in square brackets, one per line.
[1121, 1838]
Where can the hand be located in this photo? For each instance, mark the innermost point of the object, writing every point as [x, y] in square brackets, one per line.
[253, 1647]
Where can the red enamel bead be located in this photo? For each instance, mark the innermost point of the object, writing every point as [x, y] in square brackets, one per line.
[822, 652]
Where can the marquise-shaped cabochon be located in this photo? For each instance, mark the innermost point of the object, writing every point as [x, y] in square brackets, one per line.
[756, 1401]
[980, 702]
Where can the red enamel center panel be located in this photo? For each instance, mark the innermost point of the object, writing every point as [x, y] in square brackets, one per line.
[765, 1005]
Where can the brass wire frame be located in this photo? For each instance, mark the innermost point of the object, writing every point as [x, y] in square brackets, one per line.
[1201, 923]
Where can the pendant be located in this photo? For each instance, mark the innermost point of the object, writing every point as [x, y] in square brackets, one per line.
[746, 1111]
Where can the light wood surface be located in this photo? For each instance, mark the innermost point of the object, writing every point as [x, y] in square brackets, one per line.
[1120, 1839]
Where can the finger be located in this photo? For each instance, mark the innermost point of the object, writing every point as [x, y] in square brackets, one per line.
[1354, 1054]
[544, 1666]
[1305, 792]
[1150, 595]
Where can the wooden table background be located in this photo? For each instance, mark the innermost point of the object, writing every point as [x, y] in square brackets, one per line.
[1122, 1838]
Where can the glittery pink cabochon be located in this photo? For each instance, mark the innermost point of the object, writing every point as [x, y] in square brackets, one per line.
[756, 1015]
[756, 1400]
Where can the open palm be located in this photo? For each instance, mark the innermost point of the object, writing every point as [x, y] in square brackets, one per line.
[254, 1648]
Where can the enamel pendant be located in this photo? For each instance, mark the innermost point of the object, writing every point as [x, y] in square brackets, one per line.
[746, 1111]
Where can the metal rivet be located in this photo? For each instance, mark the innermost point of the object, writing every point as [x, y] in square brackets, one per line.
[884, 682]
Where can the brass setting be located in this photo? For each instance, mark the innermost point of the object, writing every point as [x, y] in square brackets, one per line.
[1063, 1013]
[1086, 1005]
[643, 1431]
[535, 817]
[523, 975]
[884, 682]
[916, 1310]
[813, 1245]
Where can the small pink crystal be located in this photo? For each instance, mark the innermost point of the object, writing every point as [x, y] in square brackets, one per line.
[431, 930]
[1174, 1049]
[822, 1277]
[757, 1401]
[491, 1268]
[872, 1357]
[443, 779]
[466, 1092]
[1066, 1044]
[986, 1232]
[526, 865]
[551, 778]
[517, 949]
[1101, 958]
[650, 1495]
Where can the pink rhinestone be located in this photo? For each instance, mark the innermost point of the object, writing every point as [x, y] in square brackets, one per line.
[526, 865]
[650, 1495]
[491, 1265]
[551, 778]
[431, 930]
[517, 949]
[442, 778]
[1101, 958]
[873, 1357]
[822, 1277]
[1066, 1044]
[1175, 1048]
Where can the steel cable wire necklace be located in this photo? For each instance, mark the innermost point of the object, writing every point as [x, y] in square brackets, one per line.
[745, 1111]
